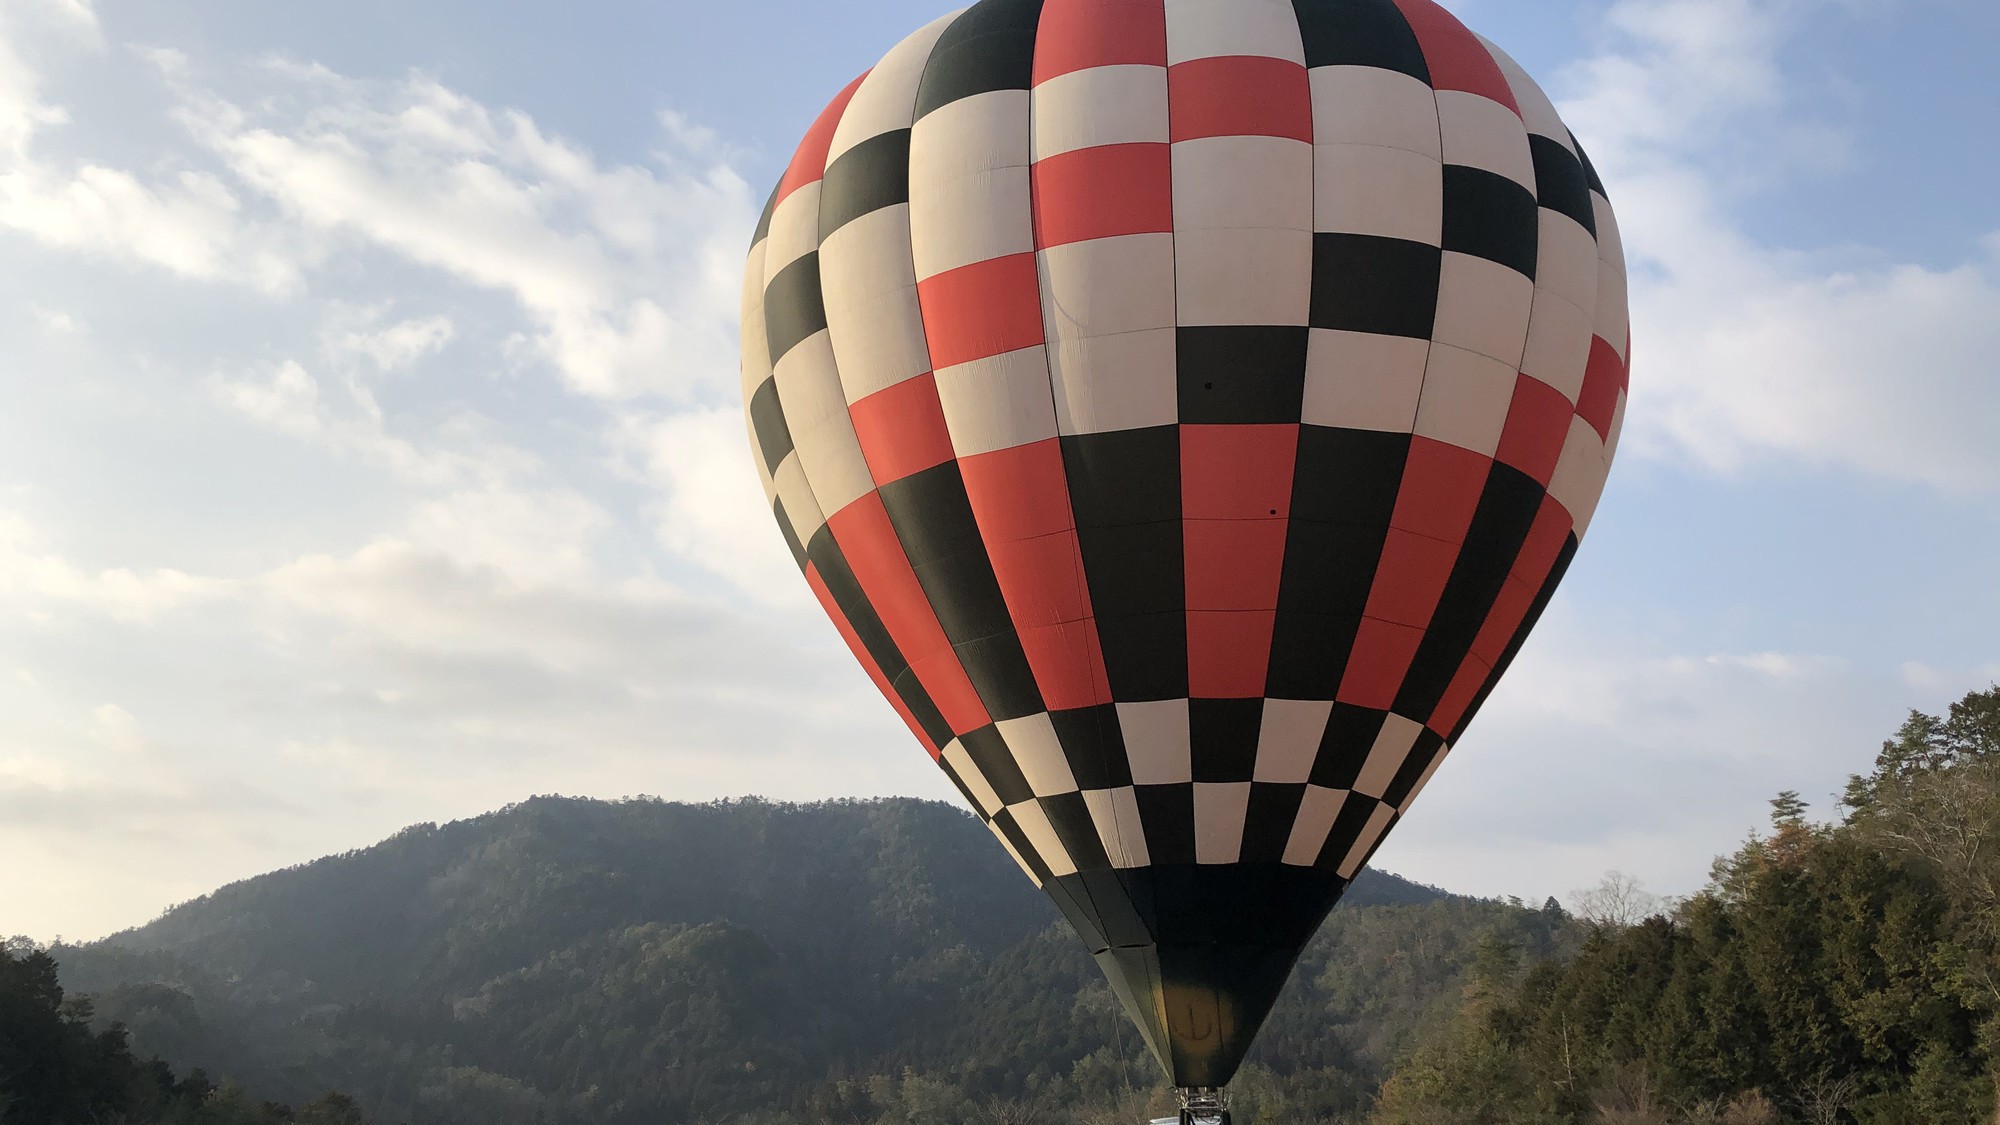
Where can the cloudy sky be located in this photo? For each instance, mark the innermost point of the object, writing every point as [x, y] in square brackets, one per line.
[371, 449]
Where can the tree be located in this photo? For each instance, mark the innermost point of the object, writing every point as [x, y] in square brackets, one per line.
[1616, 902]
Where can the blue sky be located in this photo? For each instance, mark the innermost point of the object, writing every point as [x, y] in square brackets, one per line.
[373, 452]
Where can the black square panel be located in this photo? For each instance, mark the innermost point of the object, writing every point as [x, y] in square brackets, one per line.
[1124, 476]
[1222, 737]
[1560, 183]
[1094, 744]
[1241, 373]
[866, 178]
[793, 306]
[1360, 33]
[1490, 216]
[1369, 283]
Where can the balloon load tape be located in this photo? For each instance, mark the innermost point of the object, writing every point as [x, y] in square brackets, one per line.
[1204, 1105]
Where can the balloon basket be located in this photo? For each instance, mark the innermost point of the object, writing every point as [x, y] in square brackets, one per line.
[1204, 1105]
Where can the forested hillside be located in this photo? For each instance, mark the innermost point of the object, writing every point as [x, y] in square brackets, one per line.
[1830, 973]
[878, 962]
[640, 961]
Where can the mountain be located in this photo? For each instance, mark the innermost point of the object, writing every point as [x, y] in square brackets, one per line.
[568, 960]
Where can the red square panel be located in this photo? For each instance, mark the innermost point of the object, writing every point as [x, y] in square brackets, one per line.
[1376, 667]
[1537, 426]
[880, 567]
[944, 677]
[1068, 664]
[1228, 653]
[981, 310]
[1441, 488]
[809, 161]
[1472, 675]
[1041, 579]
[1075, 34]
[1410, 578]
[1102, 192]
[867, 660]
[901, 429]
[1602, 381]
[1456, 57]
[1237, 472]
[1234, 564]
[1509, 610]
[1239, 96]
[1544, 542]
[1020, 492]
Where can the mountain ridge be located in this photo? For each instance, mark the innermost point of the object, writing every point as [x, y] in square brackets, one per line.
[566, 959]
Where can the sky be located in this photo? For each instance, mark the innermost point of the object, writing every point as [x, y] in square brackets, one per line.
[372, 453]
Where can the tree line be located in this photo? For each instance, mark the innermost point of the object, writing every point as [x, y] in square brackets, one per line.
[56, 1069]
[1841, 972]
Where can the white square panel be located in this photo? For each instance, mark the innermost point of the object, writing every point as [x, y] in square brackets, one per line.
[1361, 381]
[1288, 738]
[1156, 741]
[1108, 285]
[1243, 276]
[823, 433]
[998, 402]
[878, 341]
[1317, 812]
[1115, 812]
[1243, 182]
[1207, 28]
[970, 219]
[1580, 473]
[1018, 860]
[1033, 743]
[976, 134]
[1100, 105]
[1465, 401]
[794, 230]
[1378, 823]
[1371, 189]
[1566, 259]
[1483, 307]
[1479, 132]
[1367, 105]
[1041, 834]
[983, 796]
[1121, 382]
[1219, 812]
[1392, 746]
[1558, 351]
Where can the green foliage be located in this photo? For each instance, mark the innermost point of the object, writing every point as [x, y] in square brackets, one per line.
[1829, 974]
[756, 963]
[56, 1070]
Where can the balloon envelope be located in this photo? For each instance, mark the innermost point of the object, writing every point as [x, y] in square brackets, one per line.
[1184, 410]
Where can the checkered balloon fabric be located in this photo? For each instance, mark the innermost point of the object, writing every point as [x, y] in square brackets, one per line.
[1184, 409]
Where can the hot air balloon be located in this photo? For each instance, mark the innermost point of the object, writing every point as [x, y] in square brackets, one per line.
[1184, 409]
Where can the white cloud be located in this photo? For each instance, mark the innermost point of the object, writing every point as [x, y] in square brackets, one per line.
[114, 728]
[57, 321]
[1745, 354]
[1601, 751]
[37, 583]
[288, 399]
[712, 510]
[394, 348]
[626, 272]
